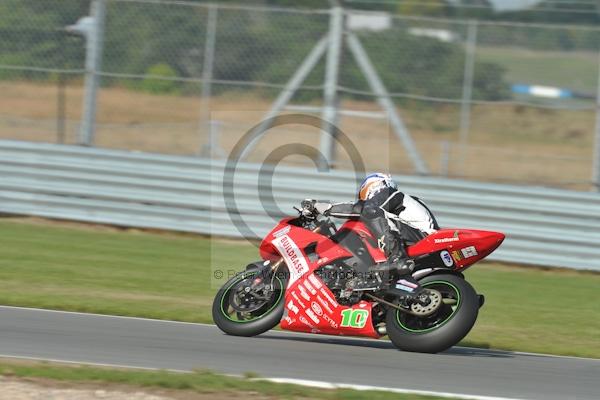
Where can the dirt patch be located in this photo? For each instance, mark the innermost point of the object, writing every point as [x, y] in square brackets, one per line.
[13, 388]
[506, 143]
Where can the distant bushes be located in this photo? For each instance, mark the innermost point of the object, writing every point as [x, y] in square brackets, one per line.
[153, 84]
[152, 39]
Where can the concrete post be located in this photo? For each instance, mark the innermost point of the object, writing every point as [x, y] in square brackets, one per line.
[207, 71]
[93, 61]
[330, 114]
[467, 92]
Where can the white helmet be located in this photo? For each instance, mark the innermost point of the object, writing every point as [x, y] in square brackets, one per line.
[375, 183]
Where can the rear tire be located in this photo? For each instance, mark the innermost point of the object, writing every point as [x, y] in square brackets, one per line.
[253, 323]
[446, 327]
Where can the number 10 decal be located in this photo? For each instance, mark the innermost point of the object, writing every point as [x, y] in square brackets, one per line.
[354, 318]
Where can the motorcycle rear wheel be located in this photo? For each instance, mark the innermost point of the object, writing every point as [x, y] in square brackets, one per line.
[260, 317]
[445, 327]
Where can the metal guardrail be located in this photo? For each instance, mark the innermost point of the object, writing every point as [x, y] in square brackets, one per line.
[544, 226]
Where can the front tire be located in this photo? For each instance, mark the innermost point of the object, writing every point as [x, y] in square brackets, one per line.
[443, 329]
[260, 319]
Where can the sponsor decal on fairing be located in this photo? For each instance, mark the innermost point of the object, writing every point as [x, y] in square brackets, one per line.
[292, 307]
[293, 256]
[324, 304]
[446, 258]
[470, 251]
[446, 240]
[310, 288]
[352, 318]
[315, 281]
[316, 308]
[305, 322]
[282, 231]
[303, 293]
[457, 256]
[331, 322]
[312, 315]
[325, 294]
[295, 296]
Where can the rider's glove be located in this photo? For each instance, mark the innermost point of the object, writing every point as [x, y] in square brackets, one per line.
[308, 208]
[308, 203]
[312, 208]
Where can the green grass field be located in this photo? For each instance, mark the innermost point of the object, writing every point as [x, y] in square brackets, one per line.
[572, 70]
[168, 276]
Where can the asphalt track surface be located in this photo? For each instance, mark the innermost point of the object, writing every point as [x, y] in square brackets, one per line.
[90, 338]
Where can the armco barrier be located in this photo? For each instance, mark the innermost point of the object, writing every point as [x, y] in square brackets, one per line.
[543, 226]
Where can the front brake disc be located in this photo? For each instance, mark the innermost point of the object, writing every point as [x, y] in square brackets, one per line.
[242, 300]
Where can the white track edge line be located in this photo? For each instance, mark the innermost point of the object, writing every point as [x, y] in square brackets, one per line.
[292, 381]
[327, 385]
[279, 331]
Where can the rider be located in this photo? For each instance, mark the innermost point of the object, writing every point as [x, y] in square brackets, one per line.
[394, 218]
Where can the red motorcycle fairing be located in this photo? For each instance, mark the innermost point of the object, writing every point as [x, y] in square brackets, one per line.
[326, 249]
[367, 238]
[311, 307]
[459, 248]
[309, 304]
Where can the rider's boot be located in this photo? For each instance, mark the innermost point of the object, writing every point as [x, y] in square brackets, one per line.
[395, 274]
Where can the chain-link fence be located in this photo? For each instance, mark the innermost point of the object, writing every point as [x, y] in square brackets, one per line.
[480, 100]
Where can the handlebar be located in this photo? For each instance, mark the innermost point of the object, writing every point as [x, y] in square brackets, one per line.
[309, 216]
[308, 209]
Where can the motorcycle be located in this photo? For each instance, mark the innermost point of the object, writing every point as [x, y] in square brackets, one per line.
[308, 277]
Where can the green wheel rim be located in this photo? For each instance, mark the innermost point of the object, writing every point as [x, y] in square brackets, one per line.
[245, 276]
[440, 324]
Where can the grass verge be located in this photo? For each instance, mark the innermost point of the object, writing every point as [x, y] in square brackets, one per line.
[168, 276]
[201, 382]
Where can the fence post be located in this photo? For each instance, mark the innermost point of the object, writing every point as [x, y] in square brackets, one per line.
[207, 70]
[61, 101]
[93, 60]
[385, 101]
[330, 100]
[596, 160]
[467, 91]
[212, 149]
[286, 93]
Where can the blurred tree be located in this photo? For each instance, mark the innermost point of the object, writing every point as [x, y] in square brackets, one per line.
[32, 34]
[251, 45]
[471, 9]
[428, 7]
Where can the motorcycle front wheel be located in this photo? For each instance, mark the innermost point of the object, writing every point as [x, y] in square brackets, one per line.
[240, 311]
[447, 326]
